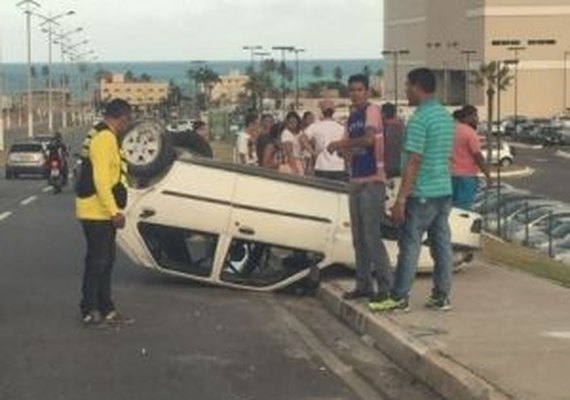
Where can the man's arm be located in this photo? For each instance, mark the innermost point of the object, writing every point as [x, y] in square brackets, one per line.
[482, 164]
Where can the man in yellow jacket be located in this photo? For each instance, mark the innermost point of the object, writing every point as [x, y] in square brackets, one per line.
[97, 210]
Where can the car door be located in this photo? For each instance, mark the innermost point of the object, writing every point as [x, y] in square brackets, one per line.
[177, 225]
[280, 229]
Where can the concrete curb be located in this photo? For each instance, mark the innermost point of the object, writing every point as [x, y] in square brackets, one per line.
[525, 146]
[446, 376]
[527, 171]
[563, 154]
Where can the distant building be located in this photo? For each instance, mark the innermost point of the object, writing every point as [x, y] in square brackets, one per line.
[444, 35]
[137, 93]
[230, 88]
[40, 98]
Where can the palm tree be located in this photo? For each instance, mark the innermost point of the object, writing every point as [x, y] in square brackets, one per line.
[145, 77]
[318, 71]
[129, 76]
[45, 74]
[203, 77]
[495, 78]
[34, 74]
[338, 74]
[366, 70]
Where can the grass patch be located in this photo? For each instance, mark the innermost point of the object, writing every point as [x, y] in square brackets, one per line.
[223, 150]
[525, 259]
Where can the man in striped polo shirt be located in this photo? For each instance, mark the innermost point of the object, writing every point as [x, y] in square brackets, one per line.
[364, 145]
[423, 203]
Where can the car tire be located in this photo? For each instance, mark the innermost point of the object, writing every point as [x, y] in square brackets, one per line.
[506, 162]
[8, 174]
[148, 150]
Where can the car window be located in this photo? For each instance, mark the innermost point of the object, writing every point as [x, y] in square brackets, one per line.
[258, 264]
[179, 249]
[26, 148]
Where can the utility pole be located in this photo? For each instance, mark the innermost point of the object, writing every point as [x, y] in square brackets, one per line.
[28, 6]
[49, 23]
[515, 62]
[566, 56]
[284, 50]
[396, 54]
[468, 54]
[252, 50]
[297, 51]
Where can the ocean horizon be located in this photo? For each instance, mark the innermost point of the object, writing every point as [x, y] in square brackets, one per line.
[15, 79]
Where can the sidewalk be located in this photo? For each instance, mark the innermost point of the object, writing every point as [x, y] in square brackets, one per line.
[507, 337]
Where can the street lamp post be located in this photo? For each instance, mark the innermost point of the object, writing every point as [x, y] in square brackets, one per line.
[297, 51]
[566, 56]
[515, 62]
[261, 55]
[395, 54]
[49, 23]
[61, 38]
[284, 50]
[252, 50]
[28, 6]
[468, 54]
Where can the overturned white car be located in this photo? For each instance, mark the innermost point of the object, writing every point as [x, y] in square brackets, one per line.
[245, 227]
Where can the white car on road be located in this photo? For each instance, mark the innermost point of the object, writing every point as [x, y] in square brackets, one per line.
[245, 227]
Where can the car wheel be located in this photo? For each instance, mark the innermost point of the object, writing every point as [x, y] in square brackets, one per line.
[148, 150]
[8, 174]
[506, 162]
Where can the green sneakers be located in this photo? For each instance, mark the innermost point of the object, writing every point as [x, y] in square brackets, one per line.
[388, 305]
[434, 303]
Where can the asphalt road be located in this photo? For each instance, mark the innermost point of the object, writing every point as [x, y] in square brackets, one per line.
[188, 342]
[551, 173]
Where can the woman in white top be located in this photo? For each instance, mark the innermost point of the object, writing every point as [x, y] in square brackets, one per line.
[292, 148]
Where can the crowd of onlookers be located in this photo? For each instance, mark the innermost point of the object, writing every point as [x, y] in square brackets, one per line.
[299, 144]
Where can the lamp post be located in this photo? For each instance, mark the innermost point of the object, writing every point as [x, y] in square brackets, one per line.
[468, 54]
[515, 62]
[61, 38]
[566, 56]
[49, 23]
[28, 6]
[396, 54]
[284, 50]
[297, 51]
[252, 50]
[261, 55]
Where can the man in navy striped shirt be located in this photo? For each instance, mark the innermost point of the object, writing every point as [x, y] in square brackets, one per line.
[364, 145]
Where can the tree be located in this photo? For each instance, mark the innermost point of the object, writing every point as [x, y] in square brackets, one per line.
[45, 74]
[145, 77]
[366, 71]
[34, 74]
[204, 78]
[495, 79]
[318, 71]
[338, 74]
[130, 76]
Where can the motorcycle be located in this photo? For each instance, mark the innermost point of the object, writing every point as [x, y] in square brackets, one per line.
[55, 175]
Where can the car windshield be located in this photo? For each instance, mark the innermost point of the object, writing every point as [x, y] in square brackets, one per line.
[561, 231]
[26, 148]
[533, 214]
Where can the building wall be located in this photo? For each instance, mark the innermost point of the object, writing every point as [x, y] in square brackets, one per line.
[136, 93]
[437, 31]
[230, 87]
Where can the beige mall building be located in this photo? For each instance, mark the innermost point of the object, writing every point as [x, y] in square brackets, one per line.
[452, 36]
[139, 94]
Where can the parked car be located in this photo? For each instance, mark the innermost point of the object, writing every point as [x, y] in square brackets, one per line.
[503, 157]
[562, 252]
[536, 220]
[26, 158]
[246, 227]
[558, 229]
[556, 136]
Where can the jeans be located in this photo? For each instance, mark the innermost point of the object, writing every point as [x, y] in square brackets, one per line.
[464, 191]
[431, 216]
[101, 249]
[367, 212]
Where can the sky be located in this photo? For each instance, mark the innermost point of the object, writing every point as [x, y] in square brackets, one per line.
[182, 30]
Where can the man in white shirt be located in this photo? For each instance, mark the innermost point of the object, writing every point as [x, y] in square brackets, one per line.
[320, 134]
[245, 146]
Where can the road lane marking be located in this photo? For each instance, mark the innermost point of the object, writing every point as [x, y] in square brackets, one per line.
[5, 215]
[29, 200]
[557, 335]
[47, 189]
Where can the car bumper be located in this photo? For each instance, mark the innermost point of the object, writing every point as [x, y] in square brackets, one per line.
[27, 169]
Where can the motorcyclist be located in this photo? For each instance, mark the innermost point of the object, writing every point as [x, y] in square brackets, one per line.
[57, 150]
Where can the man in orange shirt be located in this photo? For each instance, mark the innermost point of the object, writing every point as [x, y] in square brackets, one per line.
[467, 159]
